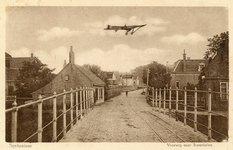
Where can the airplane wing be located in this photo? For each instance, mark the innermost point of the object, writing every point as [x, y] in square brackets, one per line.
[127, 28]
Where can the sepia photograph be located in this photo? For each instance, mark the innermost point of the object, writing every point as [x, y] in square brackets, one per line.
[117, 74]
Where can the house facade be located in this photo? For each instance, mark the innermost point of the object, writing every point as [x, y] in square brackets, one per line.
[73, 76]
[216, 78]
[12, 66]
[186, 71]
[111, 77]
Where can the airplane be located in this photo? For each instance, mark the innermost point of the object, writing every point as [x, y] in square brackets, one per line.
[127, 28]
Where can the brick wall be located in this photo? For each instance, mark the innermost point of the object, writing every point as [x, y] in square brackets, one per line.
[183, 79]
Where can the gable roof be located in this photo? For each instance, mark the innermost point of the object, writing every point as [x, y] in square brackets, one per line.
[91, 76]
[17, 62]
[191, 65]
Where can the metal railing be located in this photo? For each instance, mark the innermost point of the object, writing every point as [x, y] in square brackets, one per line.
[83, 103]
[162, 100]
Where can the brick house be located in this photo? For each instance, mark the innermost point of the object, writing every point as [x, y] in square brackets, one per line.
[216, 77]
[186, 71]
[12, 66]
[73, 76]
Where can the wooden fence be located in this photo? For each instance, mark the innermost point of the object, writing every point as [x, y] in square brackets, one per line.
[163, 101]
[83, 98]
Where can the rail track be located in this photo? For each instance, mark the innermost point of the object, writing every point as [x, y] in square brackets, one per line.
[154, 123]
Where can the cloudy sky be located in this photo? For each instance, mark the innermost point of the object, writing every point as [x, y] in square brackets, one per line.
[48, 33]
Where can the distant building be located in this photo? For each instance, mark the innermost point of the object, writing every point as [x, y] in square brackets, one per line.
[73, 76]
[216, 77]
[12, 66]
[186, 71]
[129, 80]
[111, 77]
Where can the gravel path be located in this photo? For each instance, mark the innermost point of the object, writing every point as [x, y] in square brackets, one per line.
[130, 119]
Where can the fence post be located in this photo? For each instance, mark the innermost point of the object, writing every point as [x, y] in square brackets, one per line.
[92, 95]
[84, 101]
[86, 97]
[89, 99]
[153, 98]
[160, 98]
[54, 117]
[185, 105]
[14, 115]
[170, 100]
[81, 103]
[64, 114]
[164, 102]
[71, 109]
[76, 101]
[156, 94]
[177, 102]
[195, 110]
[40, 129]
[209, 115]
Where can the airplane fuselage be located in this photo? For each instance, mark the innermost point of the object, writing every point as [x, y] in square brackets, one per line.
[127, 28]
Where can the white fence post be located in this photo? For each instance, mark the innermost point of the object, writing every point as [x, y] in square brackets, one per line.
[71, 109]
[209, 115]
[160, 98]
[170, 100]
[84, 101]
[64, 114]
[81, 102]
[76, 101]
[153, 97]
[14, 115]
[54, 117]
[177, 102]
[156, 95]
[185, 105]
[40, 129]
[195, 110]
[164, 102]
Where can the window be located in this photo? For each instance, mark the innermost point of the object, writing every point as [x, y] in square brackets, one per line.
[66, 78]
[224, 91]
[178, 84]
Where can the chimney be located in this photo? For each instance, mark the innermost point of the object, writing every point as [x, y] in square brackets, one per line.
[72, 57]
[31, 54]
[64, 65]
[184, 62]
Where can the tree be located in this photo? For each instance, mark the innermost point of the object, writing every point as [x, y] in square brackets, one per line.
[216, 43]
[94, 69]
[158, 76]
[32, 76]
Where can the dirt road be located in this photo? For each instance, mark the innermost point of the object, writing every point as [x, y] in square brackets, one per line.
[130, 119]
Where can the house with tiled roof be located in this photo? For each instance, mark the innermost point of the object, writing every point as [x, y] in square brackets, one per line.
[12, 66]
[73, 76]
[186, 71]
[216, 78]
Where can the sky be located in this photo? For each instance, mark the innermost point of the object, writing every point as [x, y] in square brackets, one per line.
[49, 32]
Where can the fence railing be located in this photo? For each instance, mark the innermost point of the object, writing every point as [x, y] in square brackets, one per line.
[177, 102]
[83, 98]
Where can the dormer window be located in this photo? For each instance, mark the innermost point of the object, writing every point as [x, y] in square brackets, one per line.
[201, 66]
